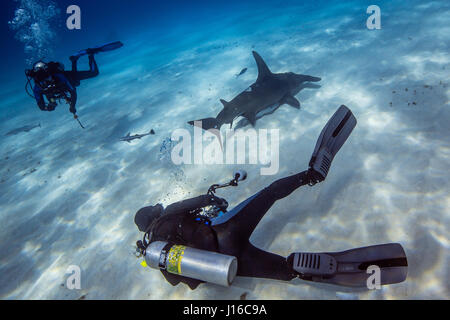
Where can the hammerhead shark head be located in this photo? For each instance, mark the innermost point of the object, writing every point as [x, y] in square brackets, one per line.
[128, 138]
[270, 91]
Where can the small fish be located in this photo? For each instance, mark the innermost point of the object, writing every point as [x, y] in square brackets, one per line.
[242, 72]
[128, 138]
[23, 129]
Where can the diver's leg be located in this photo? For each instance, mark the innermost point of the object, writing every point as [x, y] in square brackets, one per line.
[93, 70]
[346, 268]
[236, 226]
[74, 60]
[256, 263]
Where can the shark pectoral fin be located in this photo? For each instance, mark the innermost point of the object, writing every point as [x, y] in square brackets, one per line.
[292, 101]
[251, 117]
[263, 69]
[128, 141]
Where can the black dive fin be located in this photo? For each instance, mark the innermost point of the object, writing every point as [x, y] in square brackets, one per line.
[333, 136]
[103, 48]
[292, 101]
[351, 268]
[263, 70]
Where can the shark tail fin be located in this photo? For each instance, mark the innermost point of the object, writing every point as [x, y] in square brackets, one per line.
[206, 124]
[209, 124]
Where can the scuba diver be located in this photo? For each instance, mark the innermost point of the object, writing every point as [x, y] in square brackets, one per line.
[54, 83]
[198, 240]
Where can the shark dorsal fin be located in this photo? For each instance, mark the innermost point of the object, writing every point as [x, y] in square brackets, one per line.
[263, 69]
[128, 134]
[225, 103]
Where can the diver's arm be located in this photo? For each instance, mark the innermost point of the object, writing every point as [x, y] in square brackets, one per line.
[73, 92]
[192, 204]
[37, 91]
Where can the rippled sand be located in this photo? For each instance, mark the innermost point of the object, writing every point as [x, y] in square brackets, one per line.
[389, 183]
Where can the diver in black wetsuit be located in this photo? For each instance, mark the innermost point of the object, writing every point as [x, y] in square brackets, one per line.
[53, 82]
[229, 232]
[179, 224]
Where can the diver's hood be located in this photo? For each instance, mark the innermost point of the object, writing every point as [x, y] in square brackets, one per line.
[39, 66]
[145, 216]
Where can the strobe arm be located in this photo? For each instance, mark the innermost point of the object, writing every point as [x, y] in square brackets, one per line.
[239, 175]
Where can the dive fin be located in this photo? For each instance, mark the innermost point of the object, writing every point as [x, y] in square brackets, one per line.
[106, 47]
[292, 101]
[110, 46]
[263, 69]
[331, 139]
[350, 268]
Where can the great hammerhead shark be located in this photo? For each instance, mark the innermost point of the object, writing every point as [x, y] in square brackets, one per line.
[270, 91]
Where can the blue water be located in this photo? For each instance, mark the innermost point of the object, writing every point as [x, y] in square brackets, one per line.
[68, 196]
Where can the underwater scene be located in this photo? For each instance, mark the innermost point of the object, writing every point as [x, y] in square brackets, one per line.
[174, 150]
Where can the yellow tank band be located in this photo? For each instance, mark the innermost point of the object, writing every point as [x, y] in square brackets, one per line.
[174, 259]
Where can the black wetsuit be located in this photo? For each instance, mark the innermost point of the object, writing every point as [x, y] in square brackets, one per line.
[69, 80]
[229, 234]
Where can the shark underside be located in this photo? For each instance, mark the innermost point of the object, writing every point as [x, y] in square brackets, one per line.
[265, 96]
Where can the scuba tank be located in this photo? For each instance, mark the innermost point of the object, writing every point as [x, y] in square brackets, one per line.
[192, 263]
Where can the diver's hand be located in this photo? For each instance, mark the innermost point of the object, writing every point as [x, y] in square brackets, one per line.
[51, 107]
